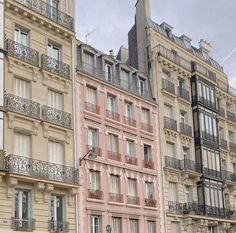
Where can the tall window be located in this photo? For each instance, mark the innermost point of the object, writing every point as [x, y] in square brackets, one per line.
[94, 180]
[21, 88]
[170, 150]
[134, 226]
[55, 100]
[57, 209]
[212, 229]
[147, 150]
[22, 144]
[91, 95]
[124, 79]
[173, 192]
[151, 225]
[116, 225]
[130, 148]
[188, 194]
[128, 110]
[141, 86]
[206, 93]
[175, 227]
[22, 204]
[145, 116]
[108, 72]
[231, 136]
[149, 187]
[211, 159]
[168, 111]
[54, 51]
[95, 224]
[183, 117]
[88, 62]
[56, 152]
[93, 137]
[113, 143]
[132, 187]
[21, 36]
[115, 184]
[186, 153]
[111, 103]
[166, 75]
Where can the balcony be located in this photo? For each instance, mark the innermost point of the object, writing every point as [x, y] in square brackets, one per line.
[185, 129]
[229, 176]
[95, 194]
[92, 108]
[212, 173]
[148, 164]
[223, 144]
[55, 66]
[149, 202]
[22, 106]
[173, 57]
[133, 200]
[175, 207]
[129, 121]
[39, 169]
[231, 116]
[170, 123]
[95, 149]
[232, 147]
[183, 94]
[146, 127]
[131, 160]
[222, 112]
[19, 224]
[205, 102]
[173, 162]
[113, 115]
[116, 197]
[56, 116]
[22, 53]
[49, 12]
[58, 227]
[168, 86]
[114, 156]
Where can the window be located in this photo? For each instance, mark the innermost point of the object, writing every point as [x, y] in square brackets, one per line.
[116, 225]
[57, 209]
[132, 187]
[124, 79]
[130, 148]
[128, 110]
[181, 85]
[21, 88]
[88, 62]
[21, 36]
[168, 111]
[55, 100]
[166, 75]
[186, 154]
[115, 184]
[149, 187]
[108, 72]
[91, 95]
[22, 205]
[53, 10]
[56, 152]
[54, 52]
[175, 227]
[183, 117]
[211, 160]
[170, 149]
[141, 86]
[113, 143]
[231, 136]
[151, 226]
[94, 180]
[22, 144]
[221, 132]
[95, 224]
[212, 229]
[206, 94]
[93, 137]
[147, 150]
[173, 192]
[111, 103]
[134, 226]
[145, 116]
[188, 194]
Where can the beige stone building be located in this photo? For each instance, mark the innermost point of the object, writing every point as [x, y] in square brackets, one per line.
[38, 178]
[197, 126]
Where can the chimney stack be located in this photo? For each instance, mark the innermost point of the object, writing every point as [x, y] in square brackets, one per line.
[111, 53]
[205, 47]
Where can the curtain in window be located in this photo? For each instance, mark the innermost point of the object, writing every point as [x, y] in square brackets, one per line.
[91, 95]
[175, 227]
[145, 116]
[147, 153]
[115, 183]
[111, 103]
[130, 148]
[21, 37]
[94, 180]
[54, 52]
[173, 192]
[151, 227]
[21, 88]
[93, 137]
[168, 111]
[116, 225]
[55, 100]
[88, 62]
[133, 225]
[132, 187]
[56, 211]
[113, 142]
[55, 151]
[149, 190]
[95, 224]
[128, 110]
[124, 79]
[21, 204]
[170, 149]
[22, 145]
[188, 194]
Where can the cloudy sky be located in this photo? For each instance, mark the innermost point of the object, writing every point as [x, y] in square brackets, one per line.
[213, 20]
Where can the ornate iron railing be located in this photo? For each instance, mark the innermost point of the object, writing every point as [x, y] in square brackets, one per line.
[19, 224]
[148, 164]
[133, 200]
[183, 93]
[212, 172]
[95, 194]
[232, 147]
[129, 121]
[21, 105]
[95, 149]
[146, 127]
[168, 86]
[116, 197]
[56, 116]
[49, 12]
[92, 108]
[185, 129]
[170, 123]
[113, 115]
[58, 227]
[223, 144]
[114, 155]
[150, 202]
[230, 176]
[173, 162]
[131, 160]
[175, 207]
[22, 52]
[40, 169]
[207, 102]
[54, 66]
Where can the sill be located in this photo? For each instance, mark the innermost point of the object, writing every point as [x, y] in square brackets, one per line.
[168, 93]
[184, 100]
[129, 127]
[150, 208]
[116, 203]
[146, 132]
[95, 200]
[133, 206]
[110, 120]
[92, 114]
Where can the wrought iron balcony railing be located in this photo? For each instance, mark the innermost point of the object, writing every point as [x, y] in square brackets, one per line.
[146, 127]
[212, 172]
[223, 144]
[206, 102]
[150, 202]
[114, 155]
[170, 123]
[92, 108]
[222, 112]
[95, 149]
[185, 129]
[22, 52]
[232, 147]
[40, 169]
[56, 116]
[230, 176]
[231, 116]
[58, 227]
[173, 57]
[131, 160]
[113, 115]
[55, 66]
[95, 194]
[183, 93]
[49, 12]
[168, 86]
[173, 162]
[129, 121]
[133, 200]
[175, 207]
[148, 164]
[21, 105]
[116, 197]
[20, 224]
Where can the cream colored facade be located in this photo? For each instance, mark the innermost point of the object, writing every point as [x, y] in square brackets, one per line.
[38, 178]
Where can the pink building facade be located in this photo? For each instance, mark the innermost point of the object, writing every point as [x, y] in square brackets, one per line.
[116, 118]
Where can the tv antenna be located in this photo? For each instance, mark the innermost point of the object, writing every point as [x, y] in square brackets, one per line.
[89, 34]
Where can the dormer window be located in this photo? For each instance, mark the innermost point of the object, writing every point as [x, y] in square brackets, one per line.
[124, 78]
[168, 32]
[88, 62]
[141, 86]
[108, 72]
